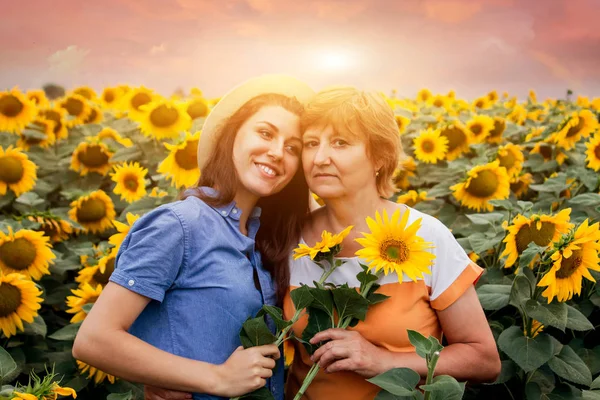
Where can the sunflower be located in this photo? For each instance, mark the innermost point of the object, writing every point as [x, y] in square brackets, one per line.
[156, 192]
[98, 274]
[86, 92]
[16, 111]
[575, 255]
[111, 97]
[548, 151]
[197, 108]
[391, 246]
[578, 125]
[91, 157]
[289, 352]
[493, 96]
[164, 119]
[511, 157]
[482, 103]
[479, 128]
[534, 132]
[532, 96]
[473, 256]
[38, 133]
[402, 123]
[19, 301]
[96, 115]
[406, 168]
[181, 165]
[134, 99]
[496, 133]
[54, 227]
[430, 146]
[540, 229]
[25, 252]
[110, 133]
[327, 244]
[483, 183]
[58, 116]
[424, 96]
[37, 97]
[536, 328]
[99, 376]
[130, 180]
[441, 101]
[520, 185]
[458, 139]
[593, 153]
[85, 294]
[412, 197]
[94, 212]
[518, 115]
[17, 172]
[77, 107]
[123, 229]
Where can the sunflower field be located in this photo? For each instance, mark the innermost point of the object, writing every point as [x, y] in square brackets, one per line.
[516, 181]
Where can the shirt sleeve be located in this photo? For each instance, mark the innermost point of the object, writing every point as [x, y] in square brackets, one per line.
[452, 272]
[152, 254]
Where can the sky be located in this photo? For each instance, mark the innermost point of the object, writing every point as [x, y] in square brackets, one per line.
[470, 46]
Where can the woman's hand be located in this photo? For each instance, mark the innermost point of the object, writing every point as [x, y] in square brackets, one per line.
[156, 393]
[246, 370]
[348, 351]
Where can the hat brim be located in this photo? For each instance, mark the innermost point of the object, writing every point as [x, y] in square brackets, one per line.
[237, 97]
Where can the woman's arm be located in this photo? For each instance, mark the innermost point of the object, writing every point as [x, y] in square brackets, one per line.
[471, 353]
[103, 341]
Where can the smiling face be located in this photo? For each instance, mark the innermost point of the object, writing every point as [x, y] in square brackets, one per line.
[336, 164]
[266, 151]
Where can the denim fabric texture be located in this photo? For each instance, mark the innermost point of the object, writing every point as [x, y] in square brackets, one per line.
[197, 268]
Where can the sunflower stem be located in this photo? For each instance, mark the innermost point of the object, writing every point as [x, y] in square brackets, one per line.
[312, 373]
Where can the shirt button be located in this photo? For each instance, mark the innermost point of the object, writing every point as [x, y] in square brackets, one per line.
[224, 212]
[234, 211]
[131, 282]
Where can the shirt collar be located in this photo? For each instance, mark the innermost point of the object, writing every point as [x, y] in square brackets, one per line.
[229, 210]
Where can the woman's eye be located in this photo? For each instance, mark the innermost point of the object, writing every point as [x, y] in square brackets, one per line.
[266, 134]
[293, 149]
[339, 143]
[310, 144]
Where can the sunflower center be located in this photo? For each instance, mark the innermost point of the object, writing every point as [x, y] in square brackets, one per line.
[508, 160]
[131, 182]
[476, 129]
[102, 278]
[427, 146]
[11, 169]
[109, 97]
[197, 109]
[568, 266]
[93, 156]
[546, 151]
[530, 233]
[83, 92]
[187, 158]
[484, 185]
[10, 106]
[53, 116]
[18, 254]
[91, 210]
[74, 106]
[10, 299]
[438, 102]
[517, 186]
[395, 251]
[597, 152]
[499, 127]
[93, 115]
[163, 116]
[139, 99]
[574, 130]
[456, 137]
[479, 103]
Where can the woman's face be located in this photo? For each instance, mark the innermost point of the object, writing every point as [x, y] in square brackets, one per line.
[336, 163]
[266, 151]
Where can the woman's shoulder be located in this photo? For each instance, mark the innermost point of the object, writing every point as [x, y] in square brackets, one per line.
[185, 210]
[431, 228]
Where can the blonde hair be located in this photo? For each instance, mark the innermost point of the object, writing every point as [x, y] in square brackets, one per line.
[364, 115]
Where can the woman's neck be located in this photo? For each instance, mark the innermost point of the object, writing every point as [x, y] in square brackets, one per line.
[245, 202]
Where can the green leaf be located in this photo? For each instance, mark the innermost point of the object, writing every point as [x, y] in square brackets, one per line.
[30, 199]
[37, 327]
[553, 314]
[552, 185]
[505, 204]
[528, 254]
[349, 304]
[494, 297]
[375, 298]
[508, 371]
[577, 321]
[301, 297]
[422, 345]
[66, 333]
[596, 383]
[323, 299]
[365, 277]
[318, 321]
[7, 365]
[585, 199]
[492, 218]
[520, 292]
[132, 153]
[260, 394]
[569, 366]
[529, 354]
[258, 332]
[276, 314]
[120, 396]
[444, 387]
[590, 394]
[397, 381]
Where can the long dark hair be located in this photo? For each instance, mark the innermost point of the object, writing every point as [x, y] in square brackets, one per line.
[283, 213]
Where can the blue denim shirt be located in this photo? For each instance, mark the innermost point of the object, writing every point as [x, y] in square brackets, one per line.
[197, 268]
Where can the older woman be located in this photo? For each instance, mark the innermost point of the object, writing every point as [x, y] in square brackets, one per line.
[351, 149]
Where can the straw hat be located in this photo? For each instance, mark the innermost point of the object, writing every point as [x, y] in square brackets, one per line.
[237, 97]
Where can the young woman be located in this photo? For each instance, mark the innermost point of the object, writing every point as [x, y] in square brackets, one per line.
[189, 273]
